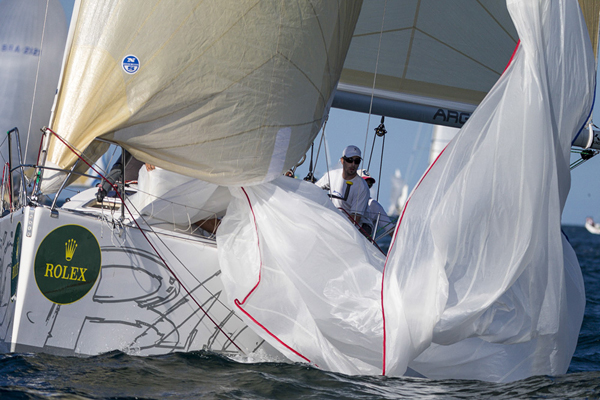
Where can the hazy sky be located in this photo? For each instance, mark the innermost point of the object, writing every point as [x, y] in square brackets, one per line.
[407, 149]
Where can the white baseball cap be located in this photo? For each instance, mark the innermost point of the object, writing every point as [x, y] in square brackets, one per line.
[351, 151]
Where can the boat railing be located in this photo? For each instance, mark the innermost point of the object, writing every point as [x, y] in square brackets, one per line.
[21, 195]
[30, 190]
[26, 192]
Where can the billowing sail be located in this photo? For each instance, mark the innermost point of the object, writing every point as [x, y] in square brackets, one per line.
[431, 61]
[32, 41]
[228, 92]
[502, 295]
[479, 282]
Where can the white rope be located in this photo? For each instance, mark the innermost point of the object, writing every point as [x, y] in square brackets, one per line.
[326, 160]
[374, 78]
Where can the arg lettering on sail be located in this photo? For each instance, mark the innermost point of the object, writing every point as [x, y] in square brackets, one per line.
[67, 264]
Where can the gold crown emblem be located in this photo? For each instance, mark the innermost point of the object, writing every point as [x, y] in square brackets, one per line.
[70, 247]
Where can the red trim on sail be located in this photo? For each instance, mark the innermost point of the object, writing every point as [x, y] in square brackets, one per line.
[239, 304]
[388, 254]
[512, 56]
[398, 226]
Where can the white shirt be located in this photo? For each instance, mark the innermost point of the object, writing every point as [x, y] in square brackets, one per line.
[358, 195]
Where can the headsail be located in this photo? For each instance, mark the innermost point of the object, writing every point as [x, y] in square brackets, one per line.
[32, 39]
[226, 91]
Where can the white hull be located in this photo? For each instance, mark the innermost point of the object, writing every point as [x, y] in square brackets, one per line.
[135, 304]
[592, 227]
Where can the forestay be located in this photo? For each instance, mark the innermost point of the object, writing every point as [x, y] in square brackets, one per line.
[202, 88]
[480, 282]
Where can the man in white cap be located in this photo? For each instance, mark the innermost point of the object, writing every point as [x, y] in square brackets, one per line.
[347, 190]
[375, 216]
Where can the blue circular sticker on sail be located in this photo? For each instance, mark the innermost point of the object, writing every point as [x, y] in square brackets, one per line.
[131, 64]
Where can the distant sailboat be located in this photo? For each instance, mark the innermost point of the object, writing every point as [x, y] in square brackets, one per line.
[592, 226]
[440, 137]
[398, 193]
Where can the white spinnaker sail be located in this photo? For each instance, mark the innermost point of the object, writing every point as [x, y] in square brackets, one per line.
[502, 294]
[479, 283]
[28, 71]
[226, 91]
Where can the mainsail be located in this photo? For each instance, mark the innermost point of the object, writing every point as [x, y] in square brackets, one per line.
[202, 88]
[431, 61]
[32, 40]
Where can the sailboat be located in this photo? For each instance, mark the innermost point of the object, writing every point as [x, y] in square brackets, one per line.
[398, 193]
[222, 97]
[591, 226]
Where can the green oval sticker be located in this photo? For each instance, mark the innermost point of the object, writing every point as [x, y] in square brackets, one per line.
[67, 264]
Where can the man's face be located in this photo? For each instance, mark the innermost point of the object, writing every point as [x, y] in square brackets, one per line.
[350, 166]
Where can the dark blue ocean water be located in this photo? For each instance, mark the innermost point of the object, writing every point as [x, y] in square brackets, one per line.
[203, 375]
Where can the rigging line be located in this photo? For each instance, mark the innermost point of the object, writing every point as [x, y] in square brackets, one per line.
[321, 142]
[326, 160]
[380, 167]
[37, 73]
[371, 154]
[172, 272]
[375, 75]
[173, 254]
[148, 239]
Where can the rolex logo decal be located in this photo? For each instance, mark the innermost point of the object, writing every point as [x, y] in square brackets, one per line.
[67, 264]
[70, 247]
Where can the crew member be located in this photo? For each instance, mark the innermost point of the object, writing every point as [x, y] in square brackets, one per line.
[375, 214]
[347, 190]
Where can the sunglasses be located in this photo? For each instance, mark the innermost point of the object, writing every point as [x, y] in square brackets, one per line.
[352, 160]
